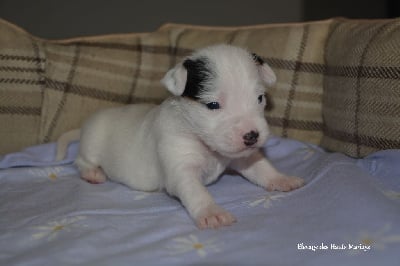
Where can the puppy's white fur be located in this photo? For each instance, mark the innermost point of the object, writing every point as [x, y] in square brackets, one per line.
[181, 145]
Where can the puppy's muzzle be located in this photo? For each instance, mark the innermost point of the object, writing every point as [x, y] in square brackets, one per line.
[250, 138]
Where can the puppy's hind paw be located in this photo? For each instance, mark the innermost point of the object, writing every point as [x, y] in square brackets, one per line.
[214, 217]
[285, 183]
[94, 176]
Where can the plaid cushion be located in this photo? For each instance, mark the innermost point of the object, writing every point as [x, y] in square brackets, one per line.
[77, 84]
[84, 75]
[361, 103]
[21, 88]
[52, 86]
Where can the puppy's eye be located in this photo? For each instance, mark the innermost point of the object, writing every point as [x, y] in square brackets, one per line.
[213, 105]
[261, 98]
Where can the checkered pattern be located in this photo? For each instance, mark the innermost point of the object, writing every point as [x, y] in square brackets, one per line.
[324, 92]
[361, 103]
[69, 80]
[21, 88]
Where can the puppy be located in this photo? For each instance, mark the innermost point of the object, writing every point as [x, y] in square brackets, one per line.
[214, 120]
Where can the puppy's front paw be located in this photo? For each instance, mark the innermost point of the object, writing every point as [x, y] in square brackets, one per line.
[214, 216]
[284, 183]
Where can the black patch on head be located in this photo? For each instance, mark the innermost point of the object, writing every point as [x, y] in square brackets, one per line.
[197, 75]
[257, 59]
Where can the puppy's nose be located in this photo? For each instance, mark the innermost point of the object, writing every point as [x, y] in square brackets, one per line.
[250, 138]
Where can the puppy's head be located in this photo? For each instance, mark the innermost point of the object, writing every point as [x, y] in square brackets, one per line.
[221, 90]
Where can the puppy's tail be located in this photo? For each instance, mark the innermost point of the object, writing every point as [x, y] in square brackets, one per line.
[64, 140]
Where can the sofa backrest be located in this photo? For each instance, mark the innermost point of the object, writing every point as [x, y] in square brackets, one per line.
[49, 87]
[361, 102]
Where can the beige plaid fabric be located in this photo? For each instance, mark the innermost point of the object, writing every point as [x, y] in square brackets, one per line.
[361, 103]
[59, 84]
[85, 75]
[21, 88]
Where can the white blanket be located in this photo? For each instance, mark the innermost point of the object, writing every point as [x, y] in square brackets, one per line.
[348, 213]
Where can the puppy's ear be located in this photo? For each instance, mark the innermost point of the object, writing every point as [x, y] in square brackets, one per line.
[265, 72]
[175, 80]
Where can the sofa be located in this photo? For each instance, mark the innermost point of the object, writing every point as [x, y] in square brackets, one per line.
[334, 114]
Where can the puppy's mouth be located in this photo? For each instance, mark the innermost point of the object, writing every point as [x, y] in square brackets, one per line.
[242, 152]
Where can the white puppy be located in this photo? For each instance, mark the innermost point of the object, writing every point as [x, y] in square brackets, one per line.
[214, 120]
